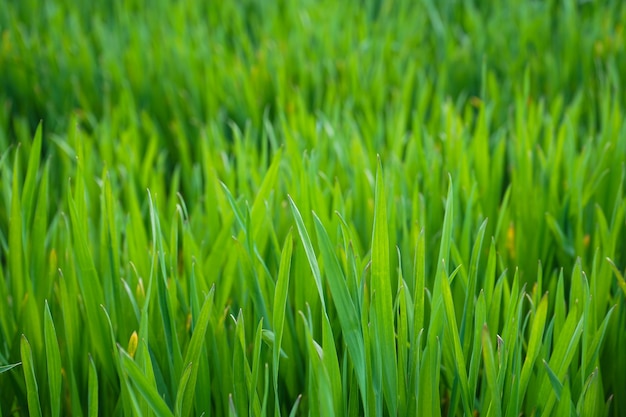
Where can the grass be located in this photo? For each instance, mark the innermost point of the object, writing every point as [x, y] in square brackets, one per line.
[312, 208]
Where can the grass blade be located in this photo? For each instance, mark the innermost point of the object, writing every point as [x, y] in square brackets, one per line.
[32, 390]
[346, 310]
[185, 394]
[53, 359]
[143, 385]
[280, 305]
[92, 388]
[310, 253]
[381, 287]
[7, 368]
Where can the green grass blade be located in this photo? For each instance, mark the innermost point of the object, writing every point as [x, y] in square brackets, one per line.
[491, 373]
[182, 388]
[280, 305]
[19, 280]
[184, 396]
[7, 368]
[34, 158]
[534, 343]
[92, 388]
[381, 286]
[143, 385]
[556, 384]
[310, 253]
[32, 390]
[53, 359]
[459, 358]
[346, 310]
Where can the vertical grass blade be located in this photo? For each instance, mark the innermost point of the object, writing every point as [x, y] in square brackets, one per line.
[53, 359]
[381, 287]
[187, 385]
[459, 358]
[92, 388]
[280, 305]
[16, 265]
[534, 343]
[346, 310]
[32, 390]
[308, 248]
[491, 373]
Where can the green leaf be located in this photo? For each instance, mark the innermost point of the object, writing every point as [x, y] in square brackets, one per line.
[308, 248]
[7, 368]
[420, 277]
[381, 287]
[491, 372]
[182, 388]
[557, 386]
[142, 384]
[30, 182]
[184, 396]
[459, 358]
[32, 390]
[92, 389]
[534, 343]
[53, 359]
[346, 310]
[280, 304]
[18, 278]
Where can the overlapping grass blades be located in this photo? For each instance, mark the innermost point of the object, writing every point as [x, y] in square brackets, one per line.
[201, 223]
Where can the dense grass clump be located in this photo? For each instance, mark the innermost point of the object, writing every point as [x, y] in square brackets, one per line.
[312, 208]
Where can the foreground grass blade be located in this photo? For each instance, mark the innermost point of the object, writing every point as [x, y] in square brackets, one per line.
[187, 387]
[491, 373]
[363, 292]
[310, 253]
[53, 358]
[92, 386]
[381, 288]
[534, 343]
[348, 315]
[459, 359]
[280, 305]
[143, 385]
[32, 389]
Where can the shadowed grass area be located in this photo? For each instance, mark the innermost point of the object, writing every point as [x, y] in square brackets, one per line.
[312, 208]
